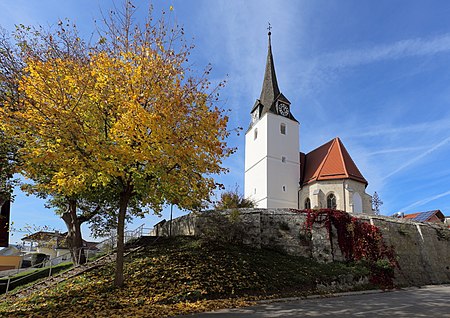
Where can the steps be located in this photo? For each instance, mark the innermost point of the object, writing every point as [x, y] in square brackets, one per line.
[75, 271]
[137, 245]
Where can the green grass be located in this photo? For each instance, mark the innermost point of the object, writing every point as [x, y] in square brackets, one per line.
[180, 276]
[24, 279]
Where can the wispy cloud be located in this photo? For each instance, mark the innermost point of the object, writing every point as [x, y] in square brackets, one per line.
[425, 201]
[323, 68]
[436, 126]
[394, 150]
[396, 50]
[419, 157]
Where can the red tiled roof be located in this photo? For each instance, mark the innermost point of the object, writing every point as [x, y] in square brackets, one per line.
[330, 161]
[411, 216]
[427, 216]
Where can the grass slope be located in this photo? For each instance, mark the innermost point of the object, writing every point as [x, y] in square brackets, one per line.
[180, 276]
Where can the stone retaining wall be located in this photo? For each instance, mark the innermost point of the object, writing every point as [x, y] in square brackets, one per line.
[422, 249]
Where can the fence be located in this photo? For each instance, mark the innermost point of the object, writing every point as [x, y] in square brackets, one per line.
[38, 271]
[106, 246]
[129, 235]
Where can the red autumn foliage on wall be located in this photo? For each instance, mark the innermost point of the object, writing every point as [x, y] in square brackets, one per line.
[358, 241]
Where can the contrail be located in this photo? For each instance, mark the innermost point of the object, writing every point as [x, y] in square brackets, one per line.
[426, 153]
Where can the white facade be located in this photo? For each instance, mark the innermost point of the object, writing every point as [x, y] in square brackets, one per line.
[350, 195]
[272, 162]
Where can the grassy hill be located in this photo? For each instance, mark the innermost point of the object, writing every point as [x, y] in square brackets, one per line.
[182, 275]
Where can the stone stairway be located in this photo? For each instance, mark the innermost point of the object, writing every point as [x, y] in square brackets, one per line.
[75, 271]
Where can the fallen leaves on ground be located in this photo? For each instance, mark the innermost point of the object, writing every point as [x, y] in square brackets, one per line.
[180, 276]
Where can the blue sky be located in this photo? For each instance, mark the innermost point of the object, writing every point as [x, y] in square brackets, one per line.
[376, 74]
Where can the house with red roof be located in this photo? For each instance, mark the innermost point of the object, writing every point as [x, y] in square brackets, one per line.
[279, 175]
[434, 216]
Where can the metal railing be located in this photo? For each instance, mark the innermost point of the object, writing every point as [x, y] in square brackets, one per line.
[129, 235]
[37, 269]
[104, 246]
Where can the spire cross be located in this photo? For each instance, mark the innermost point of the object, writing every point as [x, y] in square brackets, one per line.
[269, 28]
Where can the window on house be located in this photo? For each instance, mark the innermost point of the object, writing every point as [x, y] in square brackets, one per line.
[255, 134]
[331, 201]
[283, 129]
[307, 204]
[283, 159]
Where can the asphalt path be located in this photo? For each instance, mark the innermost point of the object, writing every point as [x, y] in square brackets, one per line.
[429, 301]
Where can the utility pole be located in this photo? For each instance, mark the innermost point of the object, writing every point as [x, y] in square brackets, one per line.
[170, 224]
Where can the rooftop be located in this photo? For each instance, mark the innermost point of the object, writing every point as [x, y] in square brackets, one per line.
[330, 161]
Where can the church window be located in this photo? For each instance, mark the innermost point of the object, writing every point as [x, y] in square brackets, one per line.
[357, 203]
[307, 204]
[283, 159]
[331, 201]
[283, 129]
[255, 135]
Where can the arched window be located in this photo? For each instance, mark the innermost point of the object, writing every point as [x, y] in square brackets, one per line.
[331, 201]
[307, 204]
[357, 203]
[255, 133]
[283, 129]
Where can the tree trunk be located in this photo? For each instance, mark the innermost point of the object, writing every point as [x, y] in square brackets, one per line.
[74, 238]
[123, 204]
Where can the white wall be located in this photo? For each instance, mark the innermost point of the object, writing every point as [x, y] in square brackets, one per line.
[264, 169]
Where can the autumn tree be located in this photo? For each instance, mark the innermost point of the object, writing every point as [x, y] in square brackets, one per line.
[14, 59]
[98, 207]
[10, 72]
[126, 116]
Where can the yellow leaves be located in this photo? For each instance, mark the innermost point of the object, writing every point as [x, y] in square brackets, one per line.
[129, 115]
[178, 277]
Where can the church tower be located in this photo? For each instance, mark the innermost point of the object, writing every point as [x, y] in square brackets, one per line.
[272, 161]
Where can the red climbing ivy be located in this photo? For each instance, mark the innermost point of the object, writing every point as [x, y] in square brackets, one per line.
[358, 241]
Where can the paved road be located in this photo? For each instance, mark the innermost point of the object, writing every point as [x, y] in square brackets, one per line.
[431, 301]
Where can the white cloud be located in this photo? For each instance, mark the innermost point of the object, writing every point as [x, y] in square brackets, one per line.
[425, 201]
[323, 69]
[396, 50]
[394, 150]
[433, 126]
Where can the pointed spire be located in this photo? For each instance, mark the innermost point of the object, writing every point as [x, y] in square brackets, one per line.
[270, 93]
[270, 88]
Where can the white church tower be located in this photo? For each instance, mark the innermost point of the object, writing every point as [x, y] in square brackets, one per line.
[272, 161]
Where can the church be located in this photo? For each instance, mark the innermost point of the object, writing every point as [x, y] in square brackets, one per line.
[279, 175]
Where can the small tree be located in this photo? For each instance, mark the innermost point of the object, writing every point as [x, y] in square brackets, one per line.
[233, 199]
[376, 203]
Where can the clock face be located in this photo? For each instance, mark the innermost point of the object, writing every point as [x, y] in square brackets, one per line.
[283, 109]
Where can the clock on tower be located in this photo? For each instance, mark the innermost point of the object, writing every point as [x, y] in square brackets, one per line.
[283, 109]
[272, 161]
